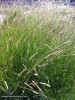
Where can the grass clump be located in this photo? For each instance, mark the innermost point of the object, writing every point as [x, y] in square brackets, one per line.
[37, 54]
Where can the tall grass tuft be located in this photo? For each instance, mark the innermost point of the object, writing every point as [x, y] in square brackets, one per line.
[37, 53]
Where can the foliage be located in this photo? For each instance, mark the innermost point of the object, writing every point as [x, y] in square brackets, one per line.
[37, 54]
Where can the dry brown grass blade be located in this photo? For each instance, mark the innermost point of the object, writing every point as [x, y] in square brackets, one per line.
[28, 85]
[35, 84]
[21, 73]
